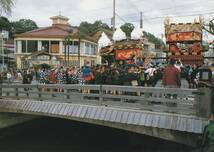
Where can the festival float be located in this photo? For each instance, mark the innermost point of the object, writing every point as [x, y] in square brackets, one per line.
[184, 41]
[120, 48]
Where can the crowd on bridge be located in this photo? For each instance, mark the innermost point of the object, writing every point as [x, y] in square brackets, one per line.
[130, 74]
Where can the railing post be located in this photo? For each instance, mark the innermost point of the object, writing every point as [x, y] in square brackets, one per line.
[1, 92]
[204, 102]
[17, 92]
[39, 93]
[101, 93]
[68, 91]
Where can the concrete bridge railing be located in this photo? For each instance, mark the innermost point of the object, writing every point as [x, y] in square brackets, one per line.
[174, 114]
[171, 100]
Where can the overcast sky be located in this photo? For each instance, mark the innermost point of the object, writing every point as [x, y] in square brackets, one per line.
[127, 11]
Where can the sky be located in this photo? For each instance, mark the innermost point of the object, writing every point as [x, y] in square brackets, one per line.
[154, 11]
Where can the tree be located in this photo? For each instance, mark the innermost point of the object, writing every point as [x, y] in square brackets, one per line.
[151, 38]
[89, 28]
[23, 25]
[100, 24]
[4, 24]
[209, 27]
[5, 6]
[127, 28]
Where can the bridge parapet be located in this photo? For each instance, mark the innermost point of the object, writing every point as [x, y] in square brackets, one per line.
[171, 100]
[168, 113]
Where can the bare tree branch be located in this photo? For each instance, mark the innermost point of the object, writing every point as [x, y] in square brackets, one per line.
[209, 27]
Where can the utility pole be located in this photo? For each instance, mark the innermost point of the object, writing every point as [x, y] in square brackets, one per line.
[2, 49]
[114, 15]
[68, 51]
[79, 62]
[65, 51]
[141, 20]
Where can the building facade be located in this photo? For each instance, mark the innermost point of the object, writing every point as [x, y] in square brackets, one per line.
[52, 40]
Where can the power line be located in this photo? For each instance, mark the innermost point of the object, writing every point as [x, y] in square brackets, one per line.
[178, 16]
[121, 18]
[162, 9]
[135, 14]
[149, 18]
[161, 17]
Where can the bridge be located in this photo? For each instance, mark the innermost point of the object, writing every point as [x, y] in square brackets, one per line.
[174, 114]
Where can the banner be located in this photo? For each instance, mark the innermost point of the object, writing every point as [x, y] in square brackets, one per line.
[183, 36]
[126, 54]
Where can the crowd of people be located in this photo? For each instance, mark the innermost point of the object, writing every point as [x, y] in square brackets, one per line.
[152, 75]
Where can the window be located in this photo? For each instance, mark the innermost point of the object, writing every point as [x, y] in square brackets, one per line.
[23, 46]
[45, 46]
[32, 46]
[54, 46]
[92, 62]
[93, 49]
[73, 48]
[87, 48]
[146, 47]
[75, 45]
[18, 46]
[90, 49]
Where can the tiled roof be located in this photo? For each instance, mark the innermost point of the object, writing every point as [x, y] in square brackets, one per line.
[125, 44]
[188, 27]
[55, 31]
[52, 31]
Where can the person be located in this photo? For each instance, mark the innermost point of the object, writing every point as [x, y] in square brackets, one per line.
[171, 75]
[207, 144]
[43, 76]
[179, 64]
[150, 75]
[193, 76]
[52, 77]
[171, 79]
[27, 78]
[86, 74]
[9, 77]
[130, 78]
[142, 77]
[19, 76]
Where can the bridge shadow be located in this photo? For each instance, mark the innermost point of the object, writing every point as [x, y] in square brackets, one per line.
[46, 134]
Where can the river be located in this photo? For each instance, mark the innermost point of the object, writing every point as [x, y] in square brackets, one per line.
[58, 135]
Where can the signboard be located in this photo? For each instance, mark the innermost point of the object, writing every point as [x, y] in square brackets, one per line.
[184, 36]
[43, 57]
[126, 54]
